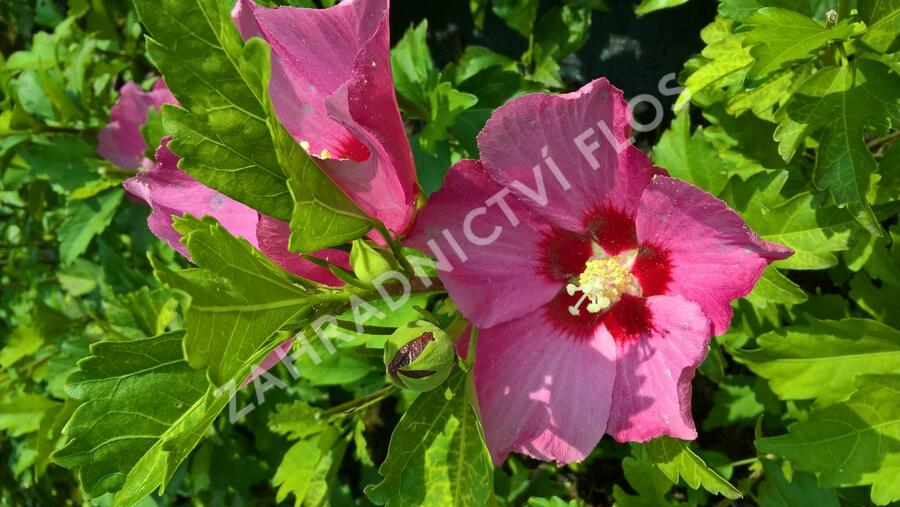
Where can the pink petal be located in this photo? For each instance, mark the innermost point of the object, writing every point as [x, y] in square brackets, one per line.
[270, 361]
[652, 393]
[171, 192]
[512, 147]
[713, 257]
[121, 141]
[541, 392]
[332, 88]
[273, 235]
[494, 282]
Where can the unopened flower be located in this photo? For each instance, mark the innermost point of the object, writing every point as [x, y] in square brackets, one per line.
[419, 356]
[596, 280]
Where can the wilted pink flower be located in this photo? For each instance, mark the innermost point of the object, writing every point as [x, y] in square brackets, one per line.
[121, 140]
[332, 89]
[596, 280]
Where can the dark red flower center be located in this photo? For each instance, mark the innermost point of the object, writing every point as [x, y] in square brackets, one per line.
[566, 255]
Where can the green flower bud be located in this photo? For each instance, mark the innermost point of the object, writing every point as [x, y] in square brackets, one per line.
[419, 356]
[367, 262]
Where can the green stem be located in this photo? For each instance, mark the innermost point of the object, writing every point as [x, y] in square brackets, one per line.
[744, 462]
[456, 327]
[395, 249]
[350, 326]
[359, 403]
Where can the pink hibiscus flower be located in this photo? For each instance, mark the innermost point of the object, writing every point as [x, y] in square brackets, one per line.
[121, 140]
[596, 280]
[333, 90]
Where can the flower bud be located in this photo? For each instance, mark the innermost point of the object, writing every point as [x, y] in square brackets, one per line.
[419, 356]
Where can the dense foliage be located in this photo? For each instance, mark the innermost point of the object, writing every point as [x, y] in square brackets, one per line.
[116, 352]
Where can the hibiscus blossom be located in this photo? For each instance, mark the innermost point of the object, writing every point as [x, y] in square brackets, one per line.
[596, 280]
[332, 89]
[121, 140]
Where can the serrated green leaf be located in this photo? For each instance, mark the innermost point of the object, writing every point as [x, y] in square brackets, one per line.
[853, 443]
[437, 454]
[239, 299]
[821, 360]
[690, 157]
[67, 162]
[800, 490]
[842, 104]
[21, 343]
[734, 403]
[650, 484]
[323, 216]
[675, 460]
[774, 287]
[779, 36]
[21, 413]
[86, 219]
[221, 129]
[723, 56]
[802, 223]
[144, 409]
[882, 19]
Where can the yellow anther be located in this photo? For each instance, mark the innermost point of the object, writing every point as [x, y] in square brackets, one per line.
[602, 283]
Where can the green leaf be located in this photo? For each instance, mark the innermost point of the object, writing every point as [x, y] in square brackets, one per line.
[675, 460]
[821, 360]
[222, 84]
[650, 484]
[734, 403]
[801, 490]
[309, 466]
[842, 104]
[139, 314]
[423, 91]
[802, 223]
[774, 287]
[67, 162]
[412, 67]
[304, 472]
[227, 133]
[518, 14]
[21, 343]
[882, 19]
[779, 36]
[323, 216]
[86, 219]
[21, 413]
[723, 56]
[143, 410]
[562, 30]
[648, 6]
[473, 60]
[763, 98]
[437, 454]
[690, 157]
[239, 299]
[432, 167]
[445, 105]
[853, 443]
